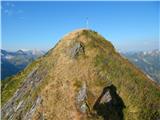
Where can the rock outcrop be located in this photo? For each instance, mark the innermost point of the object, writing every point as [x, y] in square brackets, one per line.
[23, 104]
[76, 49]
[82, 99]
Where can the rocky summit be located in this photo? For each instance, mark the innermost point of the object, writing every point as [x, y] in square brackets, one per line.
[82, 78]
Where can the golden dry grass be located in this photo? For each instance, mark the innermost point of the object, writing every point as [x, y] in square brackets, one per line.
[98, 67]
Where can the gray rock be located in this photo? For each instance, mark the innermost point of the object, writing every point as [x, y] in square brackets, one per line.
[82, 99]
[19, 105]
[76, 49]
[33, 108]
[82, 95]
[106, 97]
[84, 108]
[15, 108]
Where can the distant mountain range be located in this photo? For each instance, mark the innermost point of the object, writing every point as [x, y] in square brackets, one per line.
[148, 62]
[13, 62]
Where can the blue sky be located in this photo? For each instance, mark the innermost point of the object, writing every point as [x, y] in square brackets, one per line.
[130, 26]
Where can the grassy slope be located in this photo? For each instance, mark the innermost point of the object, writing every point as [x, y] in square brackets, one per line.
[140, 95]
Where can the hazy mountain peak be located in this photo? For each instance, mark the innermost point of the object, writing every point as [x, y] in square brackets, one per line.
[20, 52]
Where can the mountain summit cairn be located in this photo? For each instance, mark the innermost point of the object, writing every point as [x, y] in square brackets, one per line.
[81, 78]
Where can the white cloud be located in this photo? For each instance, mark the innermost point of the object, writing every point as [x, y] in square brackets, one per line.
[9, 9]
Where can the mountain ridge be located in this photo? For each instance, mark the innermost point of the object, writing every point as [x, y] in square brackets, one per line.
[147, 61]
[14, 62]
[84, 71]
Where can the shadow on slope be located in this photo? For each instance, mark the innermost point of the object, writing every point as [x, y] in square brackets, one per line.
[110, 105]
